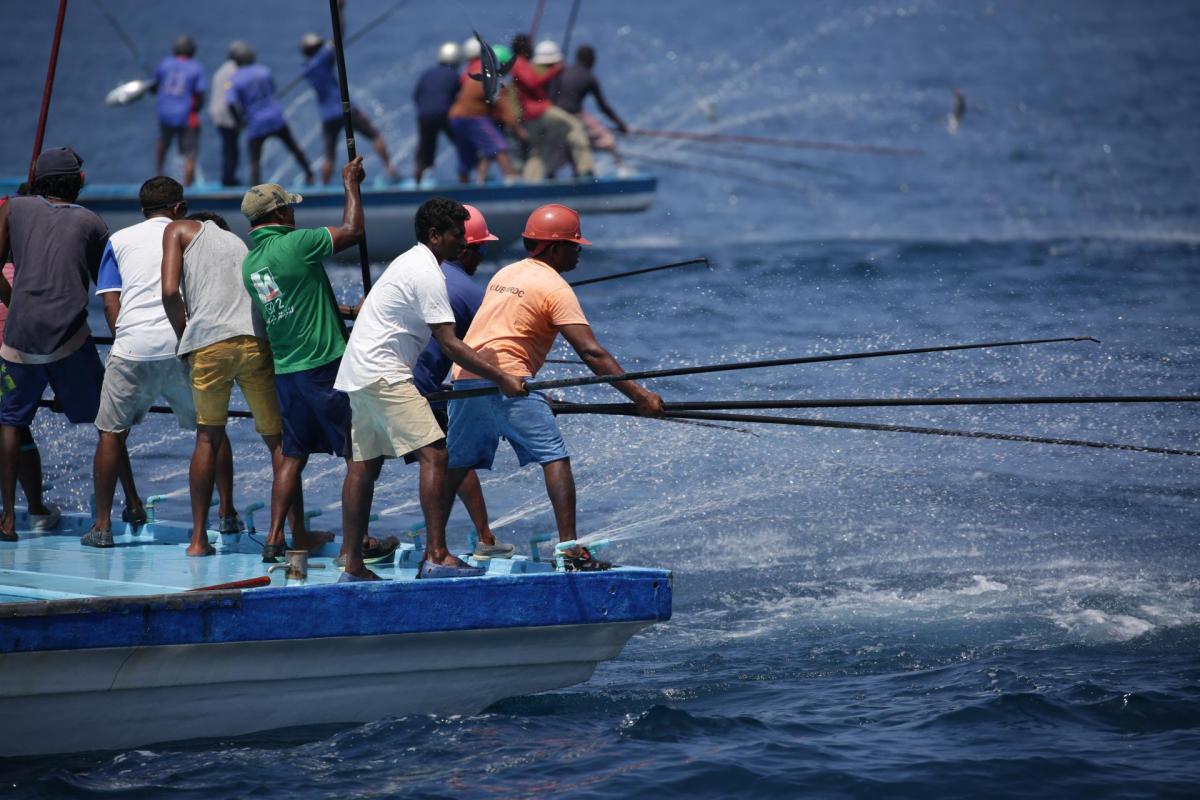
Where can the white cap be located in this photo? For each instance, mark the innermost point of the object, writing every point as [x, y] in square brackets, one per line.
[449, 53]
[547, 53]
[470, 49]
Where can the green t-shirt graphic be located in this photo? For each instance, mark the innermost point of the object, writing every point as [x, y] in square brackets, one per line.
[286, 279]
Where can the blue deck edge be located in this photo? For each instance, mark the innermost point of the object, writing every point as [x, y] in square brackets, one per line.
[338, 610]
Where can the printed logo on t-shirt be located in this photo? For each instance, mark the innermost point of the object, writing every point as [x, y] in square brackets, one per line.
[265, 285]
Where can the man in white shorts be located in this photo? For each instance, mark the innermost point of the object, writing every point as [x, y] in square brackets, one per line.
[141, 365]
[389, 417]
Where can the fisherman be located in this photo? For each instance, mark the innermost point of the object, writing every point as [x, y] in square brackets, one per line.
[223, 341]
[56, 247]
[389, 417]
[285, 276]
[42, 516]
[180, 85]
[573, 86]
[141, 365]
[319, 71]
[547, 125]
[251, 98]
[527, 305]
[434, 94]
[476, 136]
[433, 366]
[218, 111]
[958, 111]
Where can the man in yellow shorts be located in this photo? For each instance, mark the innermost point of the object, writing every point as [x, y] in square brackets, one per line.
[223, 341]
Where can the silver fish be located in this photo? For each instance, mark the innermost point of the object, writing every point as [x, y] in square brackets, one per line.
[127, 92]
[492, 70]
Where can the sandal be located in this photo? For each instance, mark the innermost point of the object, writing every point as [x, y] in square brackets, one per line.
[580, 559]
[97, 537]
[273, 553]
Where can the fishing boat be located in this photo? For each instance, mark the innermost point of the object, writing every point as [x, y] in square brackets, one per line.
[106, 649]
[390, 208]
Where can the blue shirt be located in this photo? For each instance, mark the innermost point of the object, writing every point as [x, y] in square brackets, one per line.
[435, 91]
[253, 92]
[320, 74]
[180, 79]
[466, 295]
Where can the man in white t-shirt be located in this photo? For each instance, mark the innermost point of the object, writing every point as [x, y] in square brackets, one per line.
[141, 365]
[389, 416]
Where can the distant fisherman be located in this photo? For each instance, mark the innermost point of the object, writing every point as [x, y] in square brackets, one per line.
[180, 85]
[141, 365]
[285, 275]
[433, 366]
[222, 340]
[476, 137]
[220, 114]
[527, 305]
[56, 247]
[572, 88]
[389, 417]
[320, 71]
[251, 98]
[433, 95]
[957, 112]
[548, 126]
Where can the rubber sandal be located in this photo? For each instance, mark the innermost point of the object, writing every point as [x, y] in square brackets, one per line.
[346, 577]
[209, 550]
[41, 523]
[97, 538]
[580, 559]
[381, 550]
[497, 550]
[231, 524]
[431, 570]
[273, 553]
[134, 516]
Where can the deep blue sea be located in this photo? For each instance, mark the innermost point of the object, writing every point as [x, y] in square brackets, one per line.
[856, 614]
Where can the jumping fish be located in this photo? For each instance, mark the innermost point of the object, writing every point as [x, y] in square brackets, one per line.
[491, 70]
[127, 92]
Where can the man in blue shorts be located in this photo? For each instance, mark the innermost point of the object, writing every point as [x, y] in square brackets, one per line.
[526, 306]
[56, 247]
[285, 275]
[320, 73]
[180, 85]
[251, 98]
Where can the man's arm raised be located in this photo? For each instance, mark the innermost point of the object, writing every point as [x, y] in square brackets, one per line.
[176, 238]
[601, 362]
[352, 226]
[466, 357]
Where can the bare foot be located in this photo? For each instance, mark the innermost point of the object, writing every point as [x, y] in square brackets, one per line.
[447, 561]
[364, 574]
[311, 540]
[199, 551]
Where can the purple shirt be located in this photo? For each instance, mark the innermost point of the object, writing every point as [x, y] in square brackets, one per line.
[321, 75]
[253, 93]
[179, 79]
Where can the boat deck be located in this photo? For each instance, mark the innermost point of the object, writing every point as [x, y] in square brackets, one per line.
[152, 560]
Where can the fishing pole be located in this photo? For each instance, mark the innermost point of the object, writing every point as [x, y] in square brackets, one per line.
[347, 120]
[351, 39]
[803, 144]
[566, 46]
[739, 365]
[614, 276]
[752, 158]
[125, 38]
[716, 172]
[537, 20]
[759, 405]
[870, 426]
[47, 89]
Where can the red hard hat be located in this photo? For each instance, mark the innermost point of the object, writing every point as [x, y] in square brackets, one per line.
[554, 223]
[477, 229]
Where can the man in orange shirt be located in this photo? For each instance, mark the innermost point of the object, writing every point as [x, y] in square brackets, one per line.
[526, 306]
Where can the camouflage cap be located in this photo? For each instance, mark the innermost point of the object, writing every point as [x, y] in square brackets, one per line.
[265, 198]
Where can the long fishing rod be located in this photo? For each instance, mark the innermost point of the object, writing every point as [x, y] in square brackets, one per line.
[633, 272]
[125, 38]
[759, 405]
[47, 89]
[802, 144]
[351, 39]
[753, 158]
[566, 46]
[870, 426]
[347, 120]
[716, 172]
[739, 365]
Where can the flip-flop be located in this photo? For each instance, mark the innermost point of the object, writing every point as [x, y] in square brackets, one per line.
[431, 570]
[346, 577]
[209, 550]
[380, 550]
[272, 553]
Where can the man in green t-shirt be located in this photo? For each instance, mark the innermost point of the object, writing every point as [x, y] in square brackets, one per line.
[285, 275]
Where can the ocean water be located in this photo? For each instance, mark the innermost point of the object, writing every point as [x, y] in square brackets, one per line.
[856, 614]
